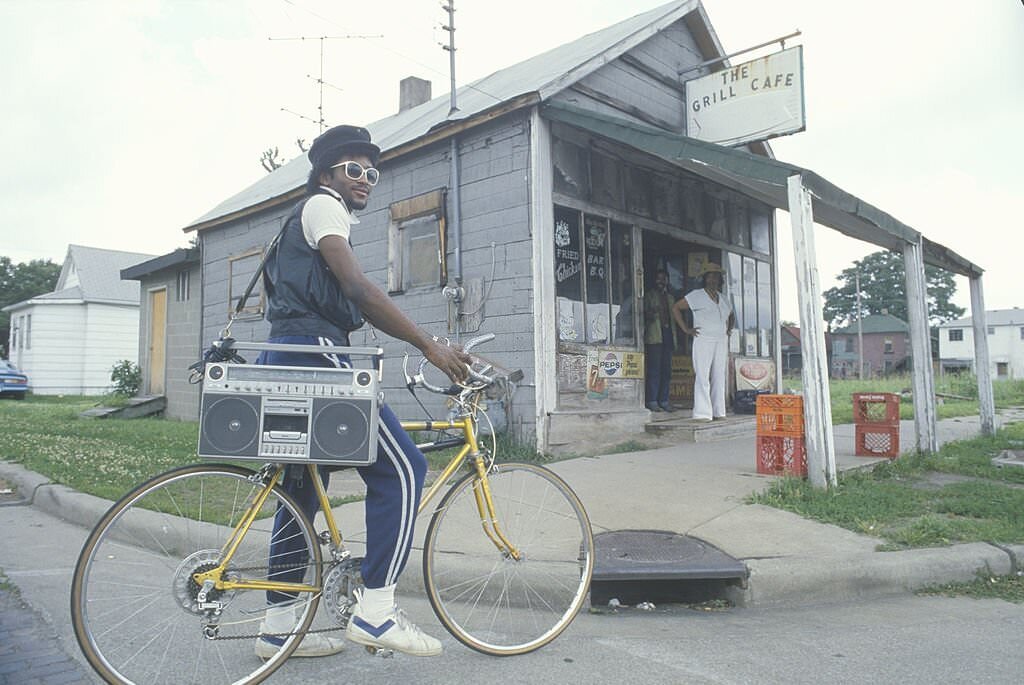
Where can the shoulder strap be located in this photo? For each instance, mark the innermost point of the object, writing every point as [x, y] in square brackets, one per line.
[252, 282]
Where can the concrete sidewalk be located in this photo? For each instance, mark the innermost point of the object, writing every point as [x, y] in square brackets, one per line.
[695, 489]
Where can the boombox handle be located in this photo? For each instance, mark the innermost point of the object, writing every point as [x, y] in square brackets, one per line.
[376, 352]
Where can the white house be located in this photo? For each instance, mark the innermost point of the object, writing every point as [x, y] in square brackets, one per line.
[1005, 344]
[68, 340]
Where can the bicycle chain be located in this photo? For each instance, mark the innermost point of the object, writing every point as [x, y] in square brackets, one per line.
[255, 635]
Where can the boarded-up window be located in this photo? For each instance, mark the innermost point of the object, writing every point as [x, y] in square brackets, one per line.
[417, 243]
[241, 268]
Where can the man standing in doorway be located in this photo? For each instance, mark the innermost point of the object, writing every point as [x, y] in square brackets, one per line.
[659, 341]
[713, 322]
[317, 294]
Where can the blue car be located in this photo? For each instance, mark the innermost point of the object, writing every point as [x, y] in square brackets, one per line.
[13, 383]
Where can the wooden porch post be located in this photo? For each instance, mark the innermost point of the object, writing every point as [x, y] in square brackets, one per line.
[920, 347]
[986, 400]
[820, 441]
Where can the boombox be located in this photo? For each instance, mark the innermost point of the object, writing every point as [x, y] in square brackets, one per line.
[289, 414]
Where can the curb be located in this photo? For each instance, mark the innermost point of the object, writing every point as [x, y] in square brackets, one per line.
[795, 581]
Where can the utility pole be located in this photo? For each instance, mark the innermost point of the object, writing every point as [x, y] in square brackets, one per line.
[860, 331]
[321, 121]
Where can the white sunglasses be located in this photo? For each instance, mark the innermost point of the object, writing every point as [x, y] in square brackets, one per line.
[357, 172]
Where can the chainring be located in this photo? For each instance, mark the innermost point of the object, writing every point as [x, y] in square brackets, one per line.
[339, 584]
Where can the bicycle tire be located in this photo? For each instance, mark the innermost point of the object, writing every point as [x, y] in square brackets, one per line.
[133, 601]
[489, 601]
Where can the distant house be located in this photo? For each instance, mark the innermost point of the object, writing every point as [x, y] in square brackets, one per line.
[886, 347]
[1005, 344]
[792, 349]
[68, 340]
[169, 328]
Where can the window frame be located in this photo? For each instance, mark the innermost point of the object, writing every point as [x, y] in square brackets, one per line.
[257, 295]
[431, 204]
[959, 335]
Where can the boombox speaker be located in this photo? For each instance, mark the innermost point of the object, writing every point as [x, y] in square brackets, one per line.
[284, 414]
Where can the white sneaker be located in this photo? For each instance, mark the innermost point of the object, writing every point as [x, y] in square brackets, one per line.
[395, 632]
[281, 620]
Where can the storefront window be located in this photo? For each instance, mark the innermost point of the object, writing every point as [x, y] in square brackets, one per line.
[760, 231]
[623, 329]
[734, 272]
[595, 233]
[739, 227]
[571, 172]
[568, 275]
[749, 307]
[764, 308]
[593, 279]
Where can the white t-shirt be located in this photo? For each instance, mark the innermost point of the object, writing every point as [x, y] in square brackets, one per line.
[326, 215]
[711, 318]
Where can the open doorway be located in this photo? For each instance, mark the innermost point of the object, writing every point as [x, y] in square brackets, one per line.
[682, 261]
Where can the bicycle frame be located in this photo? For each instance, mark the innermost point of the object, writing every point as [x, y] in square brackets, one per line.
[481, 491]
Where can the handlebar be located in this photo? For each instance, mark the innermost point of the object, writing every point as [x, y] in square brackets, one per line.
[477, 376]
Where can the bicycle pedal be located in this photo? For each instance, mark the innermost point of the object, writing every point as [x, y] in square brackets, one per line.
[382, 652]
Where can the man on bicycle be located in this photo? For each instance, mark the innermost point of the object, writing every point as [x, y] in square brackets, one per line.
[317, 293]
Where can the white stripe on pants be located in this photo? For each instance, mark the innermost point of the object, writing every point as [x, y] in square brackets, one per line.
[710, 358]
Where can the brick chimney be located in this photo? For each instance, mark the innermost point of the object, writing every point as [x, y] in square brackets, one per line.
[412, 91]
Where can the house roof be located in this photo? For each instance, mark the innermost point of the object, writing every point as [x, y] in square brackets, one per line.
[183, 255]
[875, 323]
[994, 317]
[92, 274]
[525, 83]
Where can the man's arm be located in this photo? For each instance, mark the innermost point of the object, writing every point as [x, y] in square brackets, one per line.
[383, 313]
[677, 315]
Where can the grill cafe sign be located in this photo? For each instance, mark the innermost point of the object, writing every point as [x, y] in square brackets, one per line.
[756, 100]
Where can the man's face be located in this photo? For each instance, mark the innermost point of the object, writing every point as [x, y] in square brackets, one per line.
[714, 280]
[355, 193]
[661, 280]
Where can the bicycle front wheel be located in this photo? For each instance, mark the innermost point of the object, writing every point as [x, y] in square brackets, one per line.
[498, 602]
[137, 612]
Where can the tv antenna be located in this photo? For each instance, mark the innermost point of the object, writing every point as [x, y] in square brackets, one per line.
[320, 81]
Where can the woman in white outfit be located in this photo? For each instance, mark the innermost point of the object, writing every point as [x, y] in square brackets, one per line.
[713, 322]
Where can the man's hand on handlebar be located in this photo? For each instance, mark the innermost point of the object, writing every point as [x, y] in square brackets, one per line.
[450, 359]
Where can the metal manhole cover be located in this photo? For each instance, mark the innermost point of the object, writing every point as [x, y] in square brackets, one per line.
[658, 554]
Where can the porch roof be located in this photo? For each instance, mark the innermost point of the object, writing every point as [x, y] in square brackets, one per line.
[764, 179]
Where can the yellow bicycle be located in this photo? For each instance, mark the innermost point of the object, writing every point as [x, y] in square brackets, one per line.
[170, 584]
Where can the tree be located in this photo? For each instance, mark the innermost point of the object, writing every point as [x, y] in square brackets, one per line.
[883, 289]
[270, 159]
[19, 282]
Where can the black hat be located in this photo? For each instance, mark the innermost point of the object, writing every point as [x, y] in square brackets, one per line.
[329, 145]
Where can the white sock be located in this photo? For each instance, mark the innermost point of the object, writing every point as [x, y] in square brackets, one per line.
[280, 618]
[376, 604]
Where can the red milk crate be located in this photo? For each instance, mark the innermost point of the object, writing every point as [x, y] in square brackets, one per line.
[780, 415]
[876, 407]
[781, 455]
[874, 440]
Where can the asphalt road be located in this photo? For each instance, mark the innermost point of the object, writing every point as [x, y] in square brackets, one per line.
[902, 639]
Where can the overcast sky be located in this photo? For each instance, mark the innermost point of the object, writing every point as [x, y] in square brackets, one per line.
[123, 121]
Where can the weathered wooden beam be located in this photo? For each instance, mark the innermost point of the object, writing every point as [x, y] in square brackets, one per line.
[920, 349]
[542, 228]
[986, 399]
[671, 82]
[818, 436]
[624, 107]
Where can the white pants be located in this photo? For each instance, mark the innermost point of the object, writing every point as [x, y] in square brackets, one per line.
[710, 360]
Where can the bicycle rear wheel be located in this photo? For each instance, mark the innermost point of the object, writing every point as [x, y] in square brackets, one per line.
[489, 601]
[134, 604]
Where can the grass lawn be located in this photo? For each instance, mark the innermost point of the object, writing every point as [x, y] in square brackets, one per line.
[956, 495]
